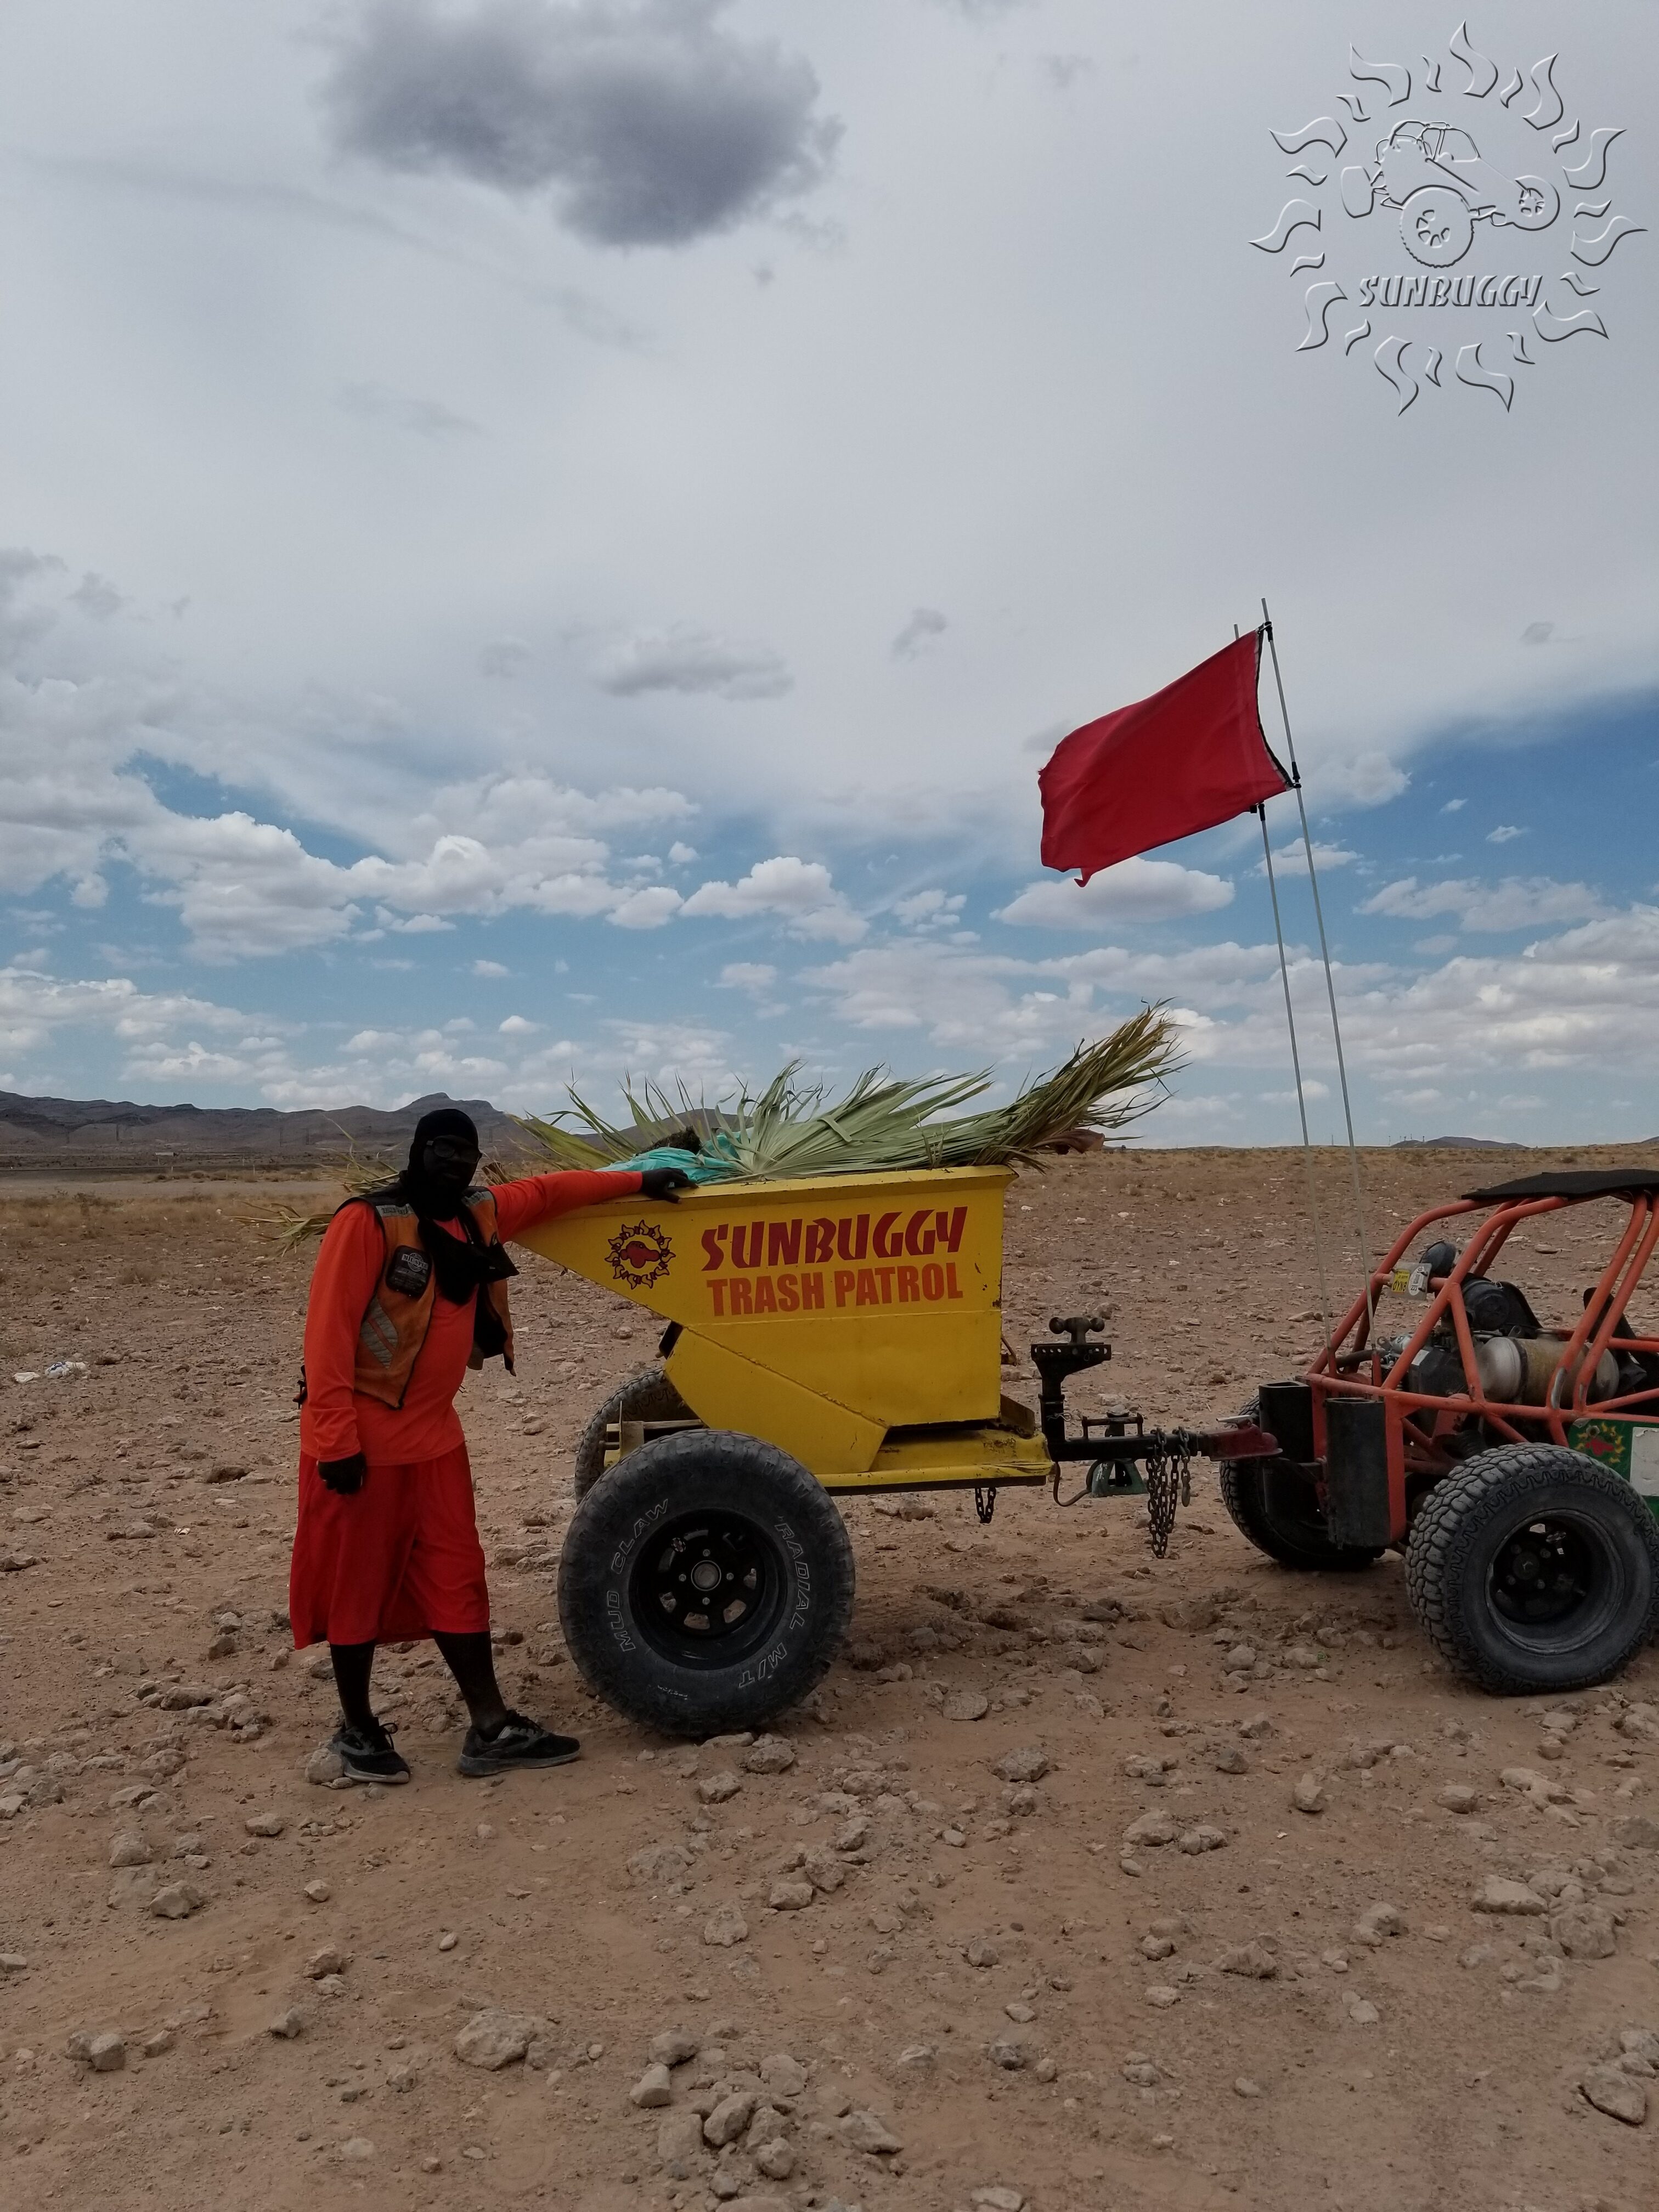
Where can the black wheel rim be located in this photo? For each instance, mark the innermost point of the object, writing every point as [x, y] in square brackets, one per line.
[1555, 1582]
[708, 1590]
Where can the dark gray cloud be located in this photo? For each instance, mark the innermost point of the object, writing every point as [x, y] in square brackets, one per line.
[23, 622]
[426, 418]
[984, 11]
[97, 598]
[683, 659]
[924, 626]
[506, 657]
[649, 122]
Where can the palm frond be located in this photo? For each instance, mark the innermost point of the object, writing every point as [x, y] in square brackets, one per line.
[882, 1124]
[357, 1172]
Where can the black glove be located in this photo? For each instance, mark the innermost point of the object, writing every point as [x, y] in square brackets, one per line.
[664, 1182]
[344, 1477]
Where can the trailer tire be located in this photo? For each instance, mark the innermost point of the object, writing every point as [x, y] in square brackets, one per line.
[1532, 1569]
[1275, 1506]
[648, 1396]
[769, 1621]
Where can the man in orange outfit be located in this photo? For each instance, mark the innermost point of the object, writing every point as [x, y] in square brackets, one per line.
[410, 1291]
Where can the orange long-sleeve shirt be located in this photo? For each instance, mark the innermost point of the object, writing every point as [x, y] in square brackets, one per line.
[334, 1422]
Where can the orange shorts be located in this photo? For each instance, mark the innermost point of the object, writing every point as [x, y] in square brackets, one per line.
[392, 1563]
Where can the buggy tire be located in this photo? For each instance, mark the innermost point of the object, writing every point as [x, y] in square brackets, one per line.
[648, 1396]
[1274, 1504]
[1532, 1569]
[1436, 226]
[773, 1611]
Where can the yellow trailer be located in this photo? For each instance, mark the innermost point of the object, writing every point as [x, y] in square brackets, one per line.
[825, 1335]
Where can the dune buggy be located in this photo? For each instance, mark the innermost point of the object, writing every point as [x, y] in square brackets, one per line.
[1434, 174]
[1514, 1461]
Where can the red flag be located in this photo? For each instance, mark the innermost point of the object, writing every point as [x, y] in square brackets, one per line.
[1191, 755]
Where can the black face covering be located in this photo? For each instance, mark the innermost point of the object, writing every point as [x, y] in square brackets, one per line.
[460, 1263]
[439, 1193]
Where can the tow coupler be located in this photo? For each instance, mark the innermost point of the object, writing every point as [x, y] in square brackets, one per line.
[1127, 1458]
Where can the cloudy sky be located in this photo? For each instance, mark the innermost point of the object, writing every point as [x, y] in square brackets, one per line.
[551, 540]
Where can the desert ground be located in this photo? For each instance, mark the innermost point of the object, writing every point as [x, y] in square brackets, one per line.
[222, 1983]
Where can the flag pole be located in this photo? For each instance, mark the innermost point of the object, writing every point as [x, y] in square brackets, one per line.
[1260, 812]
[1301, 1101]
[1325, 955]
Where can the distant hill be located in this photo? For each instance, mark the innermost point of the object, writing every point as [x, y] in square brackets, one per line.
[1457, 1145]
[115, 1136]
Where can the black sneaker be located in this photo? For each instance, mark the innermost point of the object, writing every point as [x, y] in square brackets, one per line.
[367, 1752]
[518, 1742]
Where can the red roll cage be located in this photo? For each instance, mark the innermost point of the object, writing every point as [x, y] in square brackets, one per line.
[1418, 1424]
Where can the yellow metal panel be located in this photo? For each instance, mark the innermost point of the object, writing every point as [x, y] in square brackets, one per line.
[943, 1455]
[882, 1293]
[729, 1392]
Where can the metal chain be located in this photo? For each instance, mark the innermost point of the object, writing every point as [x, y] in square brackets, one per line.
[985, 1501]
[1169, 1478]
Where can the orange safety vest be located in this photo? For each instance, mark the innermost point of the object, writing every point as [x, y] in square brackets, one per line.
[394, 1328]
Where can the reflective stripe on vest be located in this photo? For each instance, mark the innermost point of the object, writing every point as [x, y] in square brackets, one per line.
[393, 1329]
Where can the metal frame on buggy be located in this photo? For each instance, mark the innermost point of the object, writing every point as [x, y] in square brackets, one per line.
[1370, 1494]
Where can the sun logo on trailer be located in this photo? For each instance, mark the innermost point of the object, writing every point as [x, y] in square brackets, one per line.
[639, 1254]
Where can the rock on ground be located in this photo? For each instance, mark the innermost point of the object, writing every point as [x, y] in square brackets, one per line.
[1616, 2094]
[494, 2038]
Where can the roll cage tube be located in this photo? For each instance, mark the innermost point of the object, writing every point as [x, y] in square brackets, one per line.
[1451, 151]
[1418, 1421]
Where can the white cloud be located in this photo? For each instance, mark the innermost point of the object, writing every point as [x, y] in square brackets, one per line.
[1587, 999]
[516, 1025]
[672, 1052]
[681, 854]
[1311, 1089]
[930, 909]
[72, 805]
[1292, 860]
[801, 891]
[748, 975]
[34, 1005]
[1137, 890]
[977, 1005]
[647, 908]
[413, 925]
[490, 968]
[1363, 778]
[1504, 834]
[1514, 903]
[1453, 806]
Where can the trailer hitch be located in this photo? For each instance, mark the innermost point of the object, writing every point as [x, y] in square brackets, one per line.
[1117, 1445]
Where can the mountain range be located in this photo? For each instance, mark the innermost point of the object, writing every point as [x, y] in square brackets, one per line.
[115, 1136]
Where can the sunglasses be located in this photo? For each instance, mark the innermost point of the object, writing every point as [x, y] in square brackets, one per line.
[451, 1152]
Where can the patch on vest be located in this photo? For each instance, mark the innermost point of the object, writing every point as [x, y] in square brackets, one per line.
[410, 1272]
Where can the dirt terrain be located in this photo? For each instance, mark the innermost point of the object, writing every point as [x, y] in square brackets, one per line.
[221, 1985]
